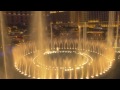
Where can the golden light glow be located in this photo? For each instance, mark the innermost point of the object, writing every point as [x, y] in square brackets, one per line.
[62, 58]
[86, 65]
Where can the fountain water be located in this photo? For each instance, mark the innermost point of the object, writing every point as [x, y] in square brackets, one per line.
[116, 39]
[68, 58]
[84, 32]
[38, 25]
[3, 41]
[111, 23]
[78, 64]
[51, 35]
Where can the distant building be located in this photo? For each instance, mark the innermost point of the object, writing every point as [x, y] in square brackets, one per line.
[59, 17]
[17, 18]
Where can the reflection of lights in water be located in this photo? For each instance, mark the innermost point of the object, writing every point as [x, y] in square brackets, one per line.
[30, 62]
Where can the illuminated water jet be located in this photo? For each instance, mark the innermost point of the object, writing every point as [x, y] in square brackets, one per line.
[65, 61]
[61, 58]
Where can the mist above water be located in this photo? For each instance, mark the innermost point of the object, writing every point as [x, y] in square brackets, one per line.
[38, 29]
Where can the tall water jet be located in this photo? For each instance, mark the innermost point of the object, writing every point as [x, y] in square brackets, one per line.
[84, 34]
[116, 39]
[73, 16]
[111, 23]
[51, 35]
[39, 26]
[4, 42]
[68, 62]
[79, 27]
